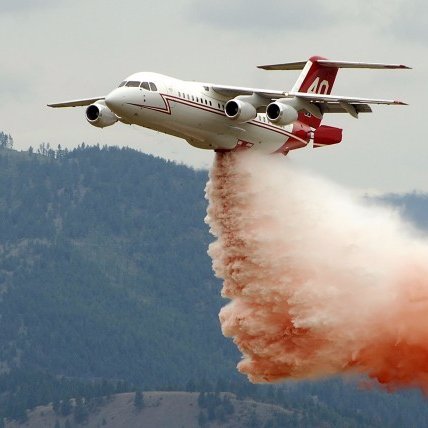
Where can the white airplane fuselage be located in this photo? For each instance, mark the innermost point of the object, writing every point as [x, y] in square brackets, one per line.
[194, 112]
[225, 118]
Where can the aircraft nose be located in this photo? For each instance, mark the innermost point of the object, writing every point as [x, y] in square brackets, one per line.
[114, 100]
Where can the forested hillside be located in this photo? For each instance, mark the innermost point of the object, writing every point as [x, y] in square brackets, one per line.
[103, 268]
[104, 274]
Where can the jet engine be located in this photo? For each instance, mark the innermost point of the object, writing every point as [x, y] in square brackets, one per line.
[239, 110]
[100, 116]
[281, 114]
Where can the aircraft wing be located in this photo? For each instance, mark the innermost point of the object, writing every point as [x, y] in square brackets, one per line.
[320, 98]
[76, 103]
[234, 91]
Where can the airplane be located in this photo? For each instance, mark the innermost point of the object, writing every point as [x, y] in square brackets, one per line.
[229, 118]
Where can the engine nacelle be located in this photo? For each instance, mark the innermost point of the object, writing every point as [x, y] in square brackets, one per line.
[281, 114]
[100, 115]
[240, 111]
[326, 136]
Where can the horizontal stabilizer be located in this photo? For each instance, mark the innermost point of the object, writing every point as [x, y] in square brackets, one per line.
[370, 65]
[335, 64]
[76, 103]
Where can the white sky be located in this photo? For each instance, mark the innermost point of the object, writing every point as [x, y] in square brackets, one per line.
[60, 50]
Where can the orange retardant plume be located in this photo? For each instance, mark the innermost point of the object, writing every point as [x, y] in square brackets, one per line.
[320, 283]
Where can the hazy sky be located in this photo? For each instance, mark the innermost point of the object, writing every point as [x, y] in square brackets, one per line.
[60, 50]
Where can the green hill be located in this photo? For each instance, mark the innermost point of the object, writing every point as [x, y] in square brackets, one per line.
[104, 271]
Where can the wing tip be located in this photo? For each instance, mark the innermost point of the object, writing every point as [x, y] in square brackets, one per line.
[282, 67]
[76, 103]
[398, 67]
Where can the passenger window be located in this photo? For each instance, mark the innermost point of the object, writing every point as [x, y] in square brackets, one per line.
[122, 84]
[133, 84]
[211, 103]
[145, 85]
[193, 98]
[153, 87]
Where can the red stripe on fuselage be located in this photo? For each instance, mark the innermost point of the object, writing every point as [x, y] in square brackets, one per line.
[167, 110]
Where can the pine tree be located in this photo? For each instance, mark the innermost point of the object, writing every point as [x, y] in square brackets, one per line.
[201, 400]
[211, 412]
[253, 421]
[56, 406]
[220, 385]
[270, 394]
[65, 408]
[81, 412]
[202, 419]
[138, 400]
[190, 386]
[228, 406]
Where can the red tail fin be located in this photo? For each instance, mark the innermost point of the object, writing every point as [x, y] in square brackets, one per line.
[316, 79]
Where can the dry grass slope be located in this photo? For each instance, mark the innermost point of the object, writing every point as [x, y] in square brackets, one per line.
[161, 410]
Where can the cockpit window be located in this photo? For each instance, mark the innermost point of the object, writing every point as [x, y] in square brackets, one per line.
[153, 87]
[133, 84]
[145, 85]
[122, 84]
